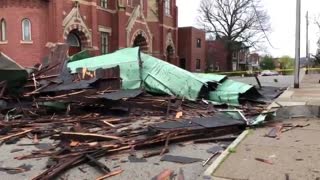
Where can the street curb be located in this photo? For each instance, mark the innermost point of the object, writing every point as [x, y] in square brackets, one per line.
[213, 167]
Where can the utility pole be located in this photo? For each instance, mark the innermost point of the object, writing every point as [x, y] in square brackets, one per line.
[307, 42]
[297, 61]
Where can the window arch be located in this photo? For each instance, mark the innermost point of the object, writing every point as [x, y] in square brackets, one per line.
[167, 7]
[3, 30]
[26, 30]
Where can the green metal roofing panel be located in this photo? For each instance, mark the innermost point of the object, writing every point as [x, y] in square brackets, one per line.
[234, 86]
[211, 77]
[158, 76]
[231, 98]
[127, 59]
[229, 92]
[79, 56]
[164, 78]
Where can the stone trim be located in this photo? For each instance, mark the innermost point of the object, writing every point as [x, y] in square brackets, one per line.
[3, 42]
[74, 21]
[105, 29]
[84, 2]
[106, 10]
[26, 42]
[131, 22]
[133, 18]
[168, 27]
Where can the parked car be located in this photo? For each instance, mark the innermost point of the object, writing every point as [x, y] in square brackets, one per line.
[269, 73]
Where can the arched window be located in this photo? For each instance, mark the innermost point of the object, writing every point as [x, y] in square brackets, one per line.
[3, 30]
[167, 7]
[73, 40]
[26, 30]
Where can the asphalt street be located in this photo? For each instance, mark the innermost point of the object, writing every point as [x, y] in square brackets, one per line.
[275, 81]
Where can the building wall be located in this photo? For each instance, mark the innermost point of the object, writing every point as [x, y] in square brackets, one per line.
[27, 53]
[216, 55]
[122, 20]
[189, 50]
[184, 47]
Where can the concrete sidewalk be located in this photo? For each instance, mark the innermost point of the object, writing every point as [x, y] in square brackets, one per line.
[294, 155]
[307, 94]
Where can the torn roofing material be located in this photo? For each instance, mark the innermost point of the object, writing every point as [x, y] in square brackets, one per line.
[8, 64]
[229, 92]
[11, 72]
[121, 94]
[211, 77]
[219, 120]
[79, 56]
[157, 76]
[164, 78]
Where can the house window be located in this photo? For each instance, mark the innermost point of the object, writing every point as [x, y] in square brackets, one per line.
[167, 7]
[3, 30]
[198, 43]
[234, 55]
[104, 3]
[26, 30]
[104, 43]
[198, 64]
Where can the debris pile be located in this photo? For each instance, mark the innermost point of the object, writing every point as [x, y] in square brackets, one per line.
[121, 102]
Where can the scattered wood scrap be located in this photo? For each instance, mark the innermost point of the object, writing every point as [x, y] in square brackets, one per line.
[92, 117]
[164, 175]
[264, 161]
[110, 174]
[15, 135]
[87, 136]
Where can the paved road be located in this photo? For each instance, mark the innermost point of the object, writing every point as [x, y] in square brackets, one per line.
[275, 81]
[132, 171]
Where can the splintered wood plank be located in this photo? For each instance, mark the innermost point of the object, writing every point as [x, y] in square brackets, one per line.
[89, 136]
[15, 135]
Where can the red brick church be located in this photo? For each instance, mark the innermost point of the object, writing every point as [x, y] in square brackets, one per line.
[100, 26]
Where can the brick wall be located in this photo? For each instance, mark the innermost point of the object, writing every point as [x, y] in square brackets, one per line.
[26, 53]
[216, 55]
[47, 17]
[188, 49]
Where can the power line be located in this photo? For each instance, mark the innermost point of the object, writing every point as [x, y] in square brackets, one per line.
[264, 32]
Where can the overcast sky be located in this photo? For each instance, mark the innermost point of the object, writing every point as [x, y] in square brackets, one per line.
[282, 14]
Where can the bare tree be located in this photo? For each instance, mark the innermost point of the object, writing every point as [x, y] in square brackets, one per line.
[317, 21]
[237, 22]
[317, 55]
